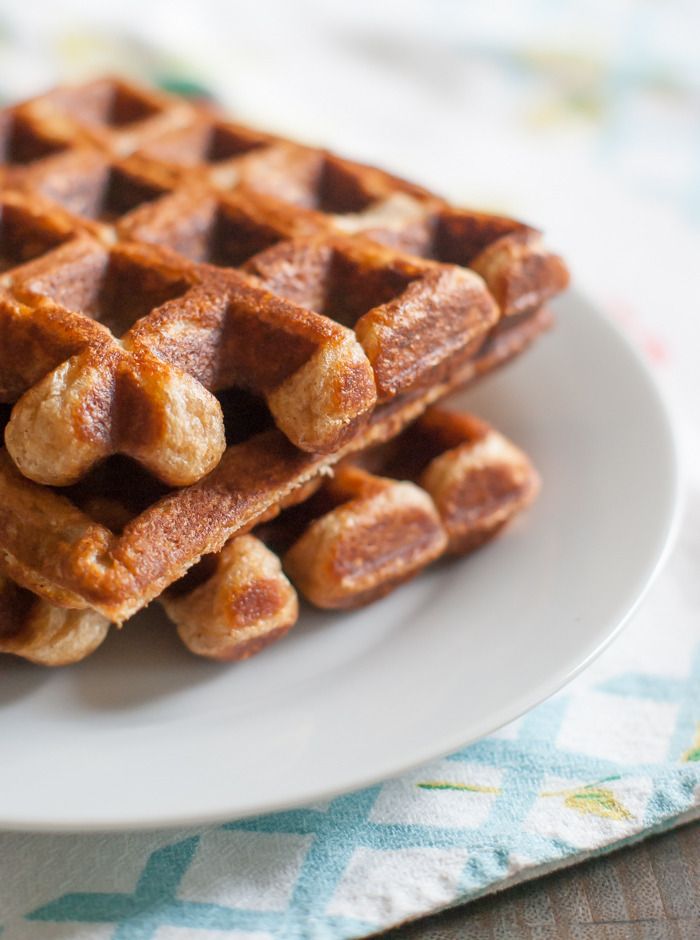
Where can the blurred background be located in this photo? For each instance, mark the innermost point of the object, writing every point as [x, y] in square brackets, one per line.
[581, 117]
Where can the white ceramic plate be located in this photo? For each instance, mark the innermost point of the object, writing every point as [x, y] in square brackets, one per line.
[144, 735]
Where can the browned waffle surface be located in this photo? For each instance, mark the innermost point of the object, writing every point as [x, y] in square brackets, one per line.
[35, 629]
[447, 484]
[159, 262]
[108, 112]
[51, 544]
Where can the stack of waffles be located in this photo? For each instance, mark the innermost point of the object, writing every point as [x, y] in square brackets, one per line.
[220, 354]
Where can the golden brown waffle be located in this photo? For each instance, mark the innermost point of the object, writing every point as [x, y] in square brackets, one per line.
[158, 259]
[243, 603]
[54, 547]
[43, 633]
[352, 540]
[448, 484]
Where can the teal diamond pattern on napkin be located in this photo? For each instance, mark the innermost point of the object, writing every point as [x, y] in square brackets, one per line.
[307, 873]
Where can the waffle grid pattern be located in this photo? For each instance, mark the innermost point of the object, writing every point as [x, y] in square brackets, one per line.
[155, 255]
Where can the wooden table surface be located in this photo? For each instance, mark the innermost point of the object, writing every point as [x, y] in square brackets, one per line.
[650, 891]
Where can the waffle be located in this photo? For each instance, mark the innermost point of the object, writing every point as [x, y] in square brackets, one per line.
[161, 263]
[448, 484]
[39, 631]
[353, 539]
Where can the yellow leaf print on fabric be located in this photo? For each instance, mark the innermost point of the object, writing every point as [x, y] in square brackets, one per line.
[590, 800]
[693, 753]
[593, 800]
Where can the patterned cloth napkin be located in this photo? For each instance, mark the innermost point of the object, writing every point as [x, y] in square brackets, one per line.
[598, 129]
